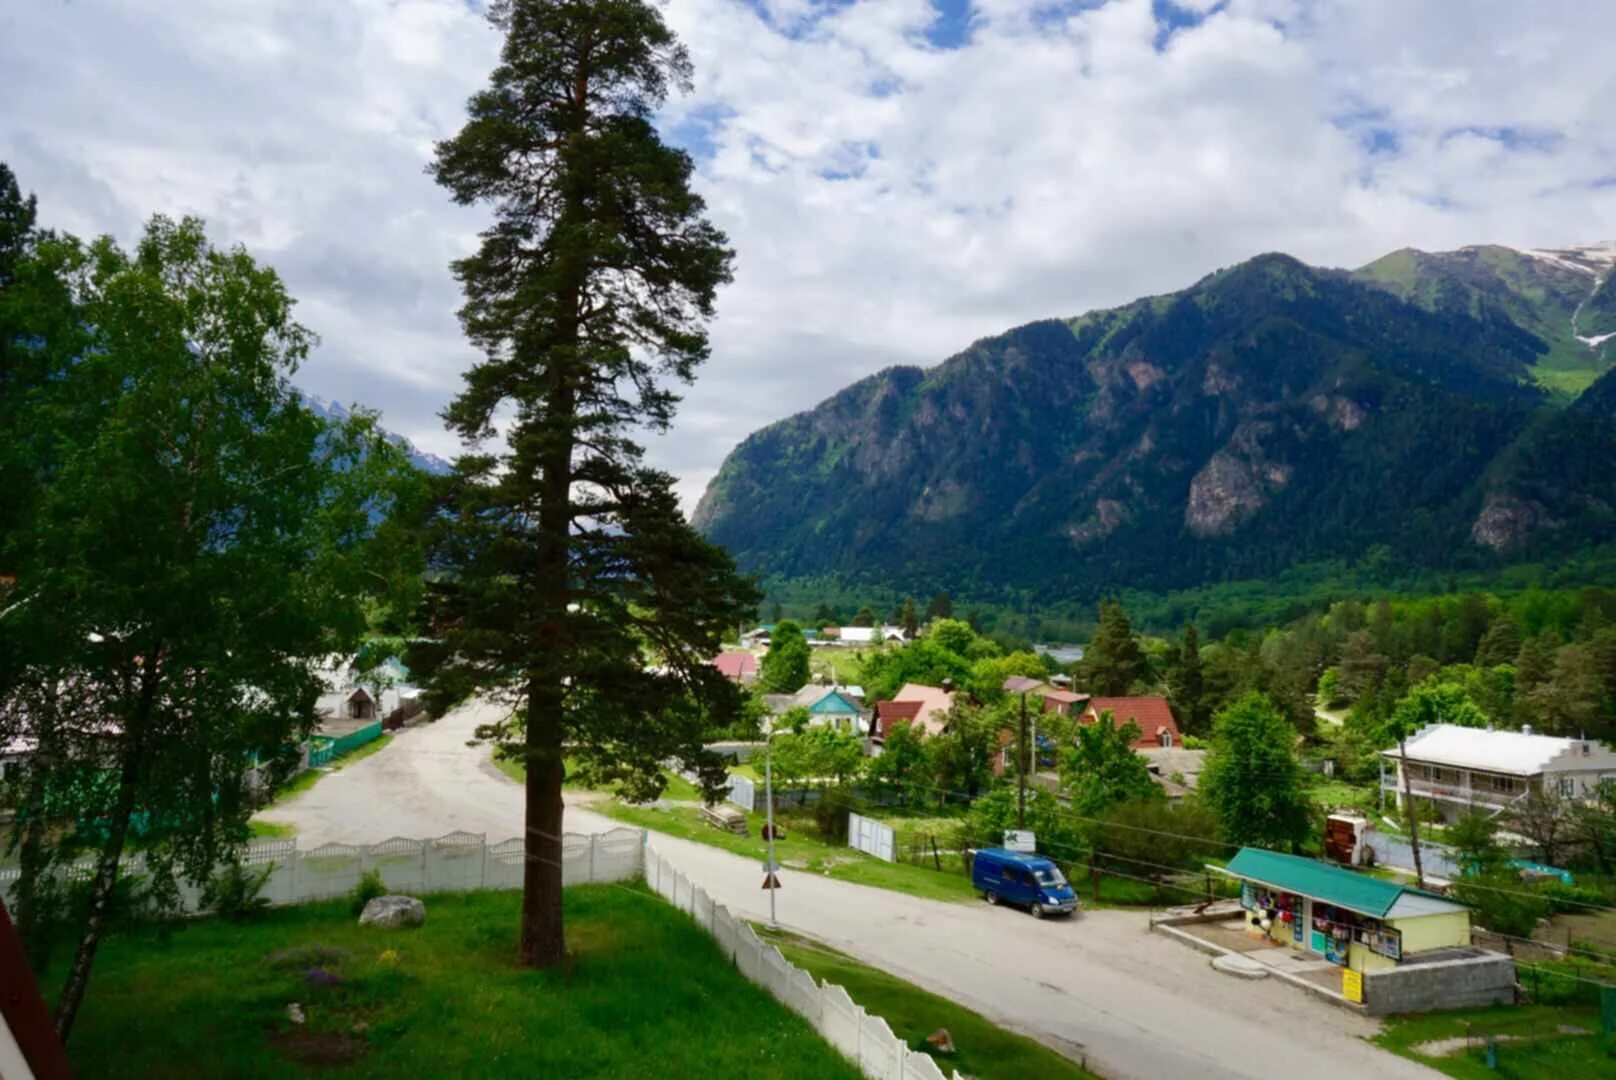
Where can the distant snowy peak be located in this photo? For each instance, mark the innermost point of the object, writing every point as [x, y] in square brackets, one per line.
[336, 412]
[1595, 260]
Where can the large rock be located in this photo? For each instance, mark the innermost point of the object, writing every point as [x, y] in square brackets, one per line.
[393, 911]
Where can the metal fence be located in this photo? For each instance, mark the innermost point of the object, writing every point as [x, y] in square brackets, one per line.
[871, 837]
[324, 750]
[457, 862]
[841, 1021]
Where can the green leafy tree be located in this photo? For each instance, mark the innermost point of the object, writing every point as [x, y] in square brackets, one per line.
[1593, 825]
[986, 679]
[954, 635]
[564, 562]
[1362, 666]
[1252, 780]
[785, 666]
[1101, 768]
[904, 765]
[776, 612]
[1426, 704]
[825, 615]
[816, 754]
[1113, 660]
[962, 754]
[1151, 837]
[865, 616]
[200, 543]
[941, 607]
[1055, 832]
[1474, 840]
[921, 661]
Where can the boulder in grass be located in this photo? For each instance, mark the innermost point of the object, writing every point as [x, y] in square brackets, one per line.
[393, 911]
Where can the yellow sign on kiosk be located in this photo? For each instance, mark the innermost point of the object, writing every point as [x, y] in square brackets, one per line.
[1352, 985]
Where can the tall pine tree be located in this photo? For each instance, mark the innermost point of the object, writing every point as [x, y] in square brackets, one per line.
[1112, 661]
[568, 579]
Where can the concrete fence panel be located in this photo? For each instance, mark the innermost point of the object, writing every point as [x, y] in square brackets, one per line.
[871, 837]
[452, 863]
[842, 1022]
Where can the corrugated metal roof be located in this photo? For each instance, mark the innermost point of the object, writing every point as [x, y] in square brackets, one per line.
[1320, 881]
[1512, 752]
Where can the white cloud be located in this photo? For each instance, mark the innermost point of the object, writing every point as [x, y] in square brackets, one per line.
[890, 200]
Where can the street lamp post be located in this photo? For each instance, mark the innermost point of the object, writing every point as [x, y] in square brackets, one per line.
[768, 798]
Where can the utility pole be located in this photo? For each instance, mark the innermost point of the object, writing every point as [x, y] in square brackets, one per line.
[768, 798]
[1021, 768]
[1020, 684]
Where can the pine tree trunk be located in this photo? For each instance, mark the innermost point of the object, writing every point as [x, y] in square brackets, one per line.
[543, 941]
[1412, 812]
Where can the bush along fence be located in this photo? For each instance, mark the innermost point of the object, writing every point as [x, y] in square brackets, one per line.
[863, 1039]
[457, 862]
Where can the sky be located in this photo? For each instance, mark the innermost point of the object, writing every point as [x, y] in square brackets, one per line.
[898, 177]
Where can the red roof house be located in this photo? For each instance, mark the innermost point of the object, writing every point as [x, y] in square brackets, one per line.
[1155, 719]
[891, 713]
[741, 667]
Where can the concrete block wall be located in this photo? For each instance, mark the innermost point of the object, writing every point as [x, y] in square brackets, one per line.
[1462, 982]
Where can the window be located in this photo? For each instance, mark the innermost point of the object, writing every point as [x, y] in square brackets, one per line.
[1565, 785]
[1166, 738]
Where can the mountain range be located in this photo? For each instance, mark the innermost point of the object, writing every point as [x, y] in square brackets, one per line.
[336, 411]
[1443, 410]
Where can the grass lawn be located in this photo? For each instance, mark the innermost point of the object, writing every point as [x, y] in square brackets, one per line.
[845, 666]
[647, 994]
[1330, 793]
[799, 851]
[1536, 1047]
[270, 830]
[983, 1049]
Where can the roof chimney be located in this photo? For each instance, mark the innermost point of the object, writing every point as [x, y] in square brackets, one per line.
[1526, 729]
[948, 686]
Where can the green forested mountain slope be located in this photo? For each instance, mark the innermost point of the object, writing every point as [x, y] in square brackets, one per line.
[1269, 415]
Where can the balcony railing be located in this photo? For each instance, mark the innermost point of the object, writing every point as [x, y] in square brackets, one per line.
[1461, 793]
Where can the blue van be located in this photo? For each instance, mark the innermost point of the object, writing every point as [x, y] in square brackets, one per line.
[1030, 881]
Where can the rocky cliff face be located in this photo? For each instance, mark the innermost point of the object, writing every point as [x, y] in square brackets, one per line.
[1271, 413]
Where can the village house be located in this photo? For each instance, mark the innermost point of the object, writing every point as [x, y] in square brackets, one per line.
[1460, 769]
[353, 700]
[1152, 714]
[738, 667]
[840, 707]
[926, 707]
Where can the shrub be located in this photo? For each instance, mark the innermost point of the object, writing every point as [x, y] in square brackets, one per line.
[830, 814]
[1501, 903]
[369, 888]
[1194, 742]
[1566, 899]
[235, 893]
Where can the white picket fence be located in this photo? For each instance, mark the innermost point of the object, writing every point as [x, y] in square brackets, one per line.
[457, 862]
[859, 1036]
[871, 837]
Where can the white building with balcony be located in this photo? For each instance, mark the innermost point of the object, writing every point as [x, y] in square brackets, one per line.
[1462, 769]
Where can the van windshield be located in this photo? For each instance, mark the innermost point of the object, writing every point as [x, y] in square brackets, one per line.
[1050, 876]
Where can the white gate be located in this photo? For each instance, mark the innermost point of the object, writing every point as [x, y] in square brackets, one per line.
[871, 837]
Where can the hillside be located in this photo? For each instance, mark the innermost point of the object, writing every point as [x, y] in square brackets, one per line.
[1269, 415]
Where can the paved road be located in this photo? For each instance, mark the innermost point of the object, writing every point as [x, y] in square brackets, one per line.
[1100, 986]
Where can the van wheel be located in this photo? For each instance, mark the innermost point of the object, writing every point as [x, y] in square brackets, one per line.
[991, 897]
[1038, 911]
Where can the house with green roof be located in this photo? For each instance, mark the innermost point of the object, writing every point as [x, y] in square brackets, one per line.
[1358, 922]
